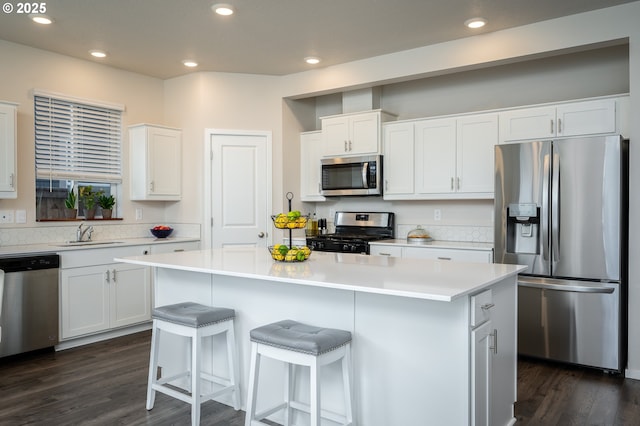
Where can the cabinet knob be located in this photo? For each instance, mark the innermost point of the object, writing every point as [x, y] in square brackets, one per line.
[260, 234]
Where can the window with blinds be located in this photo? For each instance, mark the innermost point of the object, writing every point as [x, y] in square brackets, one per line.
[77, 141]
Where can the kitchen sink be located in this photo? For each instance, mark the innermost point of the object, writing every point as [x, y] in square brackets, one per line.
[85, 243]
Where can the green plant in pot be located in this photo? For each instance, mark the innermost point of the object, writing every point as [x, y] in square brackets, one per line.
[106, 202]
[70, 211]
[89, 199]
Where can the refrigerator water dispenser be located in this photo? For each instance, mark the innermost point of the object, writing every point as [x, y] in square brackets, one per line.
[523, 220]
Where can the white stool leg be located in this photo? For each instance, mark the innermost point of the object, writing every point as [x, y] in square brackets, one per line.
[195, 378]
[314, 392]
[233, 365]
[289, 379]
[153, 366]
[254, 373]
[348, 388]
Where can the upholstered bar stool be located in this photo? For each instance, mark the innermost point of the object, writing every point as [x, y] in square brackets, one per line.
[195, 321]
[300, 344]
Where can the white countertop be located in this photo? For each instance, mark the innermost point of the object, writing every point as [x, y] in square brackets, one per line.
[459, 245]
[57, 247]
[415, 278]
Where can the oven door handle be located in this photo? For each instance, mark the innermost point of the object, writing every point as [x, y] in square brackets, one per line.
[365, 174]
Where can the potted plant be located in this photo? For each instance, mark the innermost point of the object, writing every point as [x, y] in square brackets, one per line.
[106, 202]
[89, 198]
[70, 211]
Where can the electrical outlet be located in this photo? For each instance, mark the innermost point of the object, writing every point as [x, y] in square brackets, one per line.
[437, 214]
[138, 214]
[6, 216]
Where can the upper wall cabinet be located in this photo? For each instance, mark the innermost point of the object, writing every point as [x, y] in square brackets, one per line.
[310, 169]
[353, 134]
[8, 153]
[398, 154]
[562, 120]
[156, 162]
[448, 158]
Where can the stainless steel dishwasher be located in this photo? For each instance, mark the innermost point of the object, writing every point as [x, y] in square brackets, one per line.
[29, 308]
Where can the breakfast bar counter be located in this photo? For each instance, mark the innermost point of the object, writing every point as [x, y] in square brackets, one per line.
[425, 349]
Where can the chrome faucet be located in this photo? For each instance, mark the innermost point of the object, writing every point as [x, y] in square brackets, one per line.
[80, 233]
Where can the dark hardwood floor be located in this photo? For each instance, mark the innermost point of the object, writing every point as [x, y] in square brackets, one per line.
[105, 384]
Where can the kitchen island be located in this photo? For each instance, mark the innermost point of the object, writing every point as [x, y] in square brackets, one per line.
[434, 341]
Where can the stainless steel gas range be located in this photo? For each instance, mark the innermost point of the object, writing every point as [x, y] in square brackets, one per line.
[354, 231]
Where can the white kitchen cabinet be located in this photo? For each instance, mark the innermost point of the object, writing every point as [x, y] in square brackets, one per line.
[454, 157]
[311, 151]
[476, 255]
[156, 162]
[481, 374]
[493, 356]
[99, 298]
[174, 247]
[398, 151]
[353, 134]
[8, 151]
[426, 252]
[594, 117]
[385, 250]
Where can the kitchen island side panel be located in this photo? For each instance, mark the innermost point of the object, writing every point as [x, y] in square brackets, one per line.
[412, 361]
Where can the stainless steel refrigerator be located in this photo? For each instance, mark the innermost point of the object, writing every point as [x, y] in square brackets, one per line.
[561, 209]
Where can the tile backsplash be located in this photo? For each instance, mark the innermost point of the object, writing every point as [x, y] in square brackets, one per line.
[48, 234]
[476, 234]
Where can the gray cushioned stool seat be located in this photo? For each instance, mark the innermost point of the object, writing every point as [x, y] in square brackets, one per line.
[298, 337]
[192, 314]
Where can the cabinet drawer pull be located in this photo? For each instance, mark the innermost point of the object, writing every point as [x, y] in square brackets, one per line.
[385, 254]
[551, 127]
[345, 146]
[177, 250]
[443, 258]
[559, 125]
[106, 276]
[113, 275]
[487, 306]
[452, 183]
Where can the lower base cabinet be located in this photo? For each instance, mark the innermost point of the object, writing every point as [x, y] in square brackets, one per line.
[98, 298]
[434, 253]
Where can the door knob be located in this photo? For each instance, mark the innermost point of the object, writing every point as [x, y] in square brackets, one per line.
[261, 235]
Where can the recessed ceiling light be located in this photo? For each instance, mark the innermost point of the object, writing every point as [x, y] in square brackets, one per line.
[98, 53]
[40, 18]
[223, 9]
[189, 63]
[475, 22]
[312, 60]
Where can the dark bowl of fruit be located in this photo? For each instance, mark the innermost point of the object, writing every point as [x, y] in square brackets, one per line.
[161, 231]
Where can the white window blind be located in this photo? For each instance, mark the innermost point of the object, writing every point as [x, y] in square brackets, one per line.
[77, 141]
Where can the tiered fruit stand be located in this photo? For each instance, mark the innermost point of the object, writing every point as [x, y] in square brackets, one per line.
[290, 220]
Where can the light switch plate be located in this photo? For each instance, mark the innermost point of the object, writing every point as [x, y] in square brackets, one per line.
[6, 216]
[138, 214]
[437, 214]
[21, 216]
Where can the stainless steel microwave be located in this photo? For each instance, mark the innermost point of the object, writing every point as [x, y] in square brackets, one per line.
[352, 175]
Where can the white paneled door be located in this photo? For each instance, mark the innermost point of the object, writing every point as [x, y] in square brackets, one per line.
[240, 189]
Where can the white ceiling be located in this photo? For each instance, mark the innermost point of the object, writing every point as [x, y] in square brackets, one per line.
[152, 37]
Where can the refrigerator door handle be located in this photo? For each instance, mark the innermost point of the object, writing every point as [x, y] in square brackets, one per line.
[545, 209]
[555, 211]
[570, 286]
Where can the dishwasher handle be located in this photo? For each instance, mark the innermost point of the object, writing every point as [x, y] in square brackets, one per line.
[568, 285]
